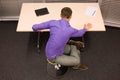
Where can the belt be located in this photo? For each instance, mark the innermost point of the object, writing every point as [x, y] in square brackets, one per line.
[49, 61]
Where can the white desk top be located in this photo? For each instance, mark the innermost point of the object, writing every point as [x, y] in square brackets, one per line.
[79, 18]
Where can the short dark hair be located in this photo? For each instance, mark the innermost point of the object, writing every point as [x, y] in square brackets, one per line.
[66, 12]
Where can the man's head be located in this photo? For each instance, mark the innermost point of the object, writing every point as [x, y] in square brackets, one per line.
[66, 12]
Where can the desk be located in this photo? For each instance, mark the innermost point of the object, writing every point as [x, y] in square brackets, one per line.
[79, 18]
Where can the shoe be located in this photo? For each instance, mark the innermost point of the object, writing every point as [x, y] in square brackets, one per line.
[78, 44]
[81, 67]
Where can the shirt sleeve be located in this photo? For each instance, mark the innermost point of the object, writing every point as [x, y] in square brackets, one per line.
[79, 33]
[44, 25]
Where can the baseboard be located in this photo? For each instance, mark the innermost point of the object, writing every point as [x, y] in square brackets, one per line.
[110, 23]
[9, 18]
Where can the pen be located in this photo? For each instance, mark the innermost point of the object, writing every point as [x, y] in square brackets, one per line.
[94, 13]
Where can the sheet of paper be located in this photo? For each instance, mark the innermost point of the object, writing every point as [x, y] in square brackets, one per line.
[91, 11]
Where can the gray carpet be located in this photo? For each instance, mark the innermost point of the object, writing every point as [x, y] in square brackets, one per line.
[20, 60]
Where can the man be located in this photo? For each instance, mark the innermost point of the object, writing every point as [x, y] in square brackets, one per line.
[60, 33]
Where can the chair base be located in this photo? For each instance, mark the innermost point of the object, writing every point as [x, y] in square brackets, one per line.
[54, 72]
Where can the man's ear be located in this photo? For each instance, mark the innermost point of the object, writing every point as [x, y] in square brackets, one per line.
[70, 17]
[60, 15]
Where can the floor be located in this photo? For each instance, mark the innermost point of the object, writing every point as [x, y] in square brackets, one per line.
[20, 59]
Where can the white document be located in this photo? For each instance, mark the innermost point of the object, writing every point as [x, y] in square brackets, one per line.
[91, 11]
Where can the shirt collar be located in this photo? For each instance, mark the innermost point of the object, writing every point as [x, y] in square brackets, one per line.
[65, 20]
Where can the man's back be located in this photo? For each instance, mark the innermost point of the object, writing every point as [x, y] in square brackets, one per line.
[60, 32]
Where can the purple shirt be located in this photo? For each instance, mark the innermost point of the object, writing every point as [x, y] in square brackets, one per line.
[60, 33]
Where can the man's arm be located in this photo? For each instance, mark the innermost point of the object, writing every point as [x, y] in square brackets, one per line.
[44, 25]
[81, 32]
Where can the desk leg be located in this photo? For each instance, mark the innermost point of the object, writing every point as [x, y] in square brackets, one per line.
[83, 40]
[38, 42]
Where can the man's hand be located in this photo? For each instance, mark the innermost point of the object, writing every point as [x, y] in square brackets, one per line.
[87, 26]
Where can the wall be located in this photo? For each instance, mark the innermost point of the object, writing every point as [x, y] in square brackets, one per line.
[10, 9]
[111, 12]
